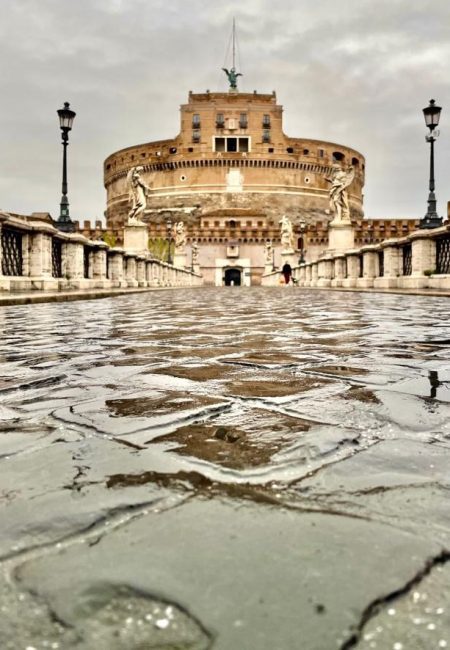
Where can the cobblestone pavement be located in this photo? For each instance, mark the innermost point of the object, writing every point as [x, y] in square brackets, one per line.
[237, 469]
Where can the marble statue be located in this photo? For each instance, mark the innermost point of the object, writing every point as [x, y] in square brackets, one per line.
[287, 234]
[232, 77]
[180, 237]
[268, 252]
[137, 193]
[194, 252]
[340, 179]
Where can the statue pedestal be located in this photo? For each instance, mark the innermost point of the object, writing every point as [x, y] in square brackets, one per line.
[268, 268]
[341, 237]
[179, 260]
[135, 238]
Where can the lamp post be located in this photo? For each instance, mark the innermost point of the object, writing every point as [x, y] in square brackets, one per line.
[66, 117]
[169, 237]
[302, 226]
[431, 114]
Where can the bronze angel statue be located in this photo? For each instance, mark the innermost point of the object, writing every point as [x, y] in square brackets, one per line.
[232, 77]
[340, 179]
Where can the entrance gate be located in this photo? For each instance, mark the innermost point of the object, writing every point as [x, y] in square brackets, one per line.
[232, 277]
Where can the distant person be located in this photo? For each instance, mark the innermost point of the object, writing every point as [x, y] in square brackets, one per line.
[287, 273]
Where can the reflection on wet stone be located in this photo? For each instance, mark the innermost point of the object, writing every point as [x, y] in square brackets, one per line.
[107, 617]
[226, 469]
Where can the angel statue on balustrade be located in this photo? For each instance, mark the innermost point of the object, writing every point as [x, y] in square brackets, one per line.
[138, 191]
[340, 179]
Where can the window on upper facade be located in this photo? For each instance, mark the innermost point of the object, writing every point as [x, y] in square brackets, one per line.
[196, 121]
[243, 121]
[219, 144]
[305, 152]
[232, 144]
[266, 121]
[266, 135]
[243, 144]
[220, 120]
[196, 135]
[321, 153]
[337, 155]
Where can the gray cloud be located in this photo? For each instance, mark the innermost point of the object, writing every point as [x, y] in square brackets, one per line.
[356, 72]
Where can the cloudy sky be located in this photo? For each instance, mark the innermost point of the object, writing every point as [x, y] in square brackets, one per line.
[356, 72]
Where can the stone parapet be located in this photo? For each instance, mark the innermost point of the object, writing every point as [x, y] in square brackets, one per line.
[35, 255]
[419, 261]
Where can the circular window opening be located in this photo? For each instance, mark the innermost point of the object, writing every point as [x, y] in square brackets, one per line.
[183, 178]
[307, 179]
[173, 150]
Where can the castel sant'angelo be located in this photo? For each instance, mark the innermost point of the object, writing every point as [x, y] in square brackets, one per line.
[230, 176]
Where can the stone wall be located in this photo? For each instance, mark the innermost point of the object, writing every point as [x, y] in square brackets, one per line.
[274, 172]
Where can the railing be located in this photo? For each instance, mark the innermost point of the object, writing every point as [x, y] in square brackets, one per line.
[443, 255]
[380, 263]
[86, 251]
[407, 259]
[56, 258]
[12, 257]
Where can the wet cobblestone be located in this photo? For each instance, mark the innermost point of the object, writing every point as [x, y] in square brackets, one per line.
[270, 464]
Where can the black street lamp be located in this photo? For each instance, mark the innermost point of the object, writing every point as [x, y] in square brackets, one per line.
[66, 117]
[169, 237]
[432, 114]
[302, 227]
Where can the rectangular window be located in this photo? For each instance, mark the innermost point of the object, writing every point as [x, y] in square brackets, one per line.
[220, 120]
[232, 145]
[196, 135]
[243, 145]
[266, 121]
[196, 121]
[266, 136]
[219, 144]
[243, 122]
[321, 153]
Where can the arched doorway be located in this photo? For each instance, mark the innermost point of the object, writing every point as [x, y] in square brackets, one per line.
[232, 277]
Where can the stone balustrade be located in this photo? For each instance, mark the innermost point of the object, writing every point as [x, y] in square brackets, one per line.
[421, 260]
[35, 255]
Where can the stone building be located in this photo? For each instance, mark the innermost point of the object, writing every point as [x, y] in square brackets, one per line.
[230, 175]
